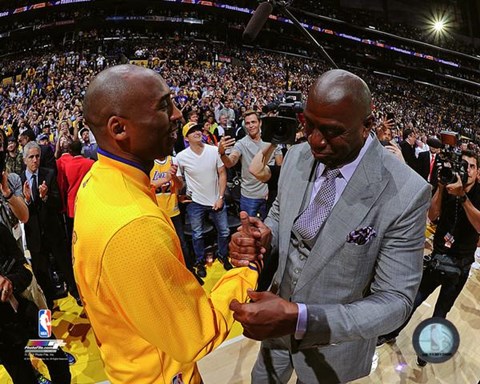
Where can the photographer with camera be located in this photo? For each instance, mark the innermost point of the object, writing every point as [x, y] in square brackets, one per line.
[456, 208]
[254, 193]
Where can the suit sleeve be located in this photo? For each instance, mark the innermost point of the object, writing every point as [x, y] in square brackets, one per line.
[395, 282]
[15, 184]
[169, 309]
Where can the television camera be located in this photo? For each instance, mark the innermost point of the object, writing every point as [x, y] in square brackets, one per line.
[449, 161]
[281, 128]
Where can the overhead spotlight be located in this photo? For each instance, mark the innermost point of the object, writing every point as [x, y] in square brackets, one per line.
[439, 25]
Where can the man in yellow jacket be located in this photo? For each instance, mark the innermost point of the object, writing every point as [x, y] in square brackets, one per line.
[151, 318]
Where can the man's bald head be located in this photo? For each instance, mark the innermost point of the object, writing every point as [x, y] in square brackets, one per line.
[336, 85]
[338, 117]
[112, 91]
[131, 114]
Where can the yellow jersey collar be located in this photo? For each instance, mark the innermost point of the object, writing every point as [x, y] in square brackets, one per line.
[120, 162]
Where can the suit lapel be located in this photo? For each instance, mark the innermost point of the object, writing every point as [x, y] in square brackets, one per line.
[360, 194]
[292, 202]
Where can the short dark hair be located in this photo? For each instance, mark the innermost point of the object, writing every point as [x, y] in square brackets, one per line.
[75, 148]
[472, 154]
[407, 132]
[29, 134]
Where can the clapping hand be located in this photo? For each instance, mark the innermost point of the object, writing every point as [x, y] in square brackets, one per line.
[43, 190]
[27, 192]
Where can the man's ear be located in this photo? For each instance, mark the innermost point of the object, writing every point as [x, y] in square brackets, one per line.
[368, 124]
[116, 127]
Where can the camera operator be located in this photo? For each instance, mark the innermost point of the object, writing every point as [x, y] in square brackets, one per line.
[456, 208]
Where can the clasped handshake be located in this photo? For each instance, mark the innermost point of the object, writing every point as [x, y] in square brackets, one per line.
[266, 315]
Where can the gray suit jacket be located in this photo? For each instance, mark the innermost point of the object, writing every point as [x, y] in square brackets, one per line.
[353, 292]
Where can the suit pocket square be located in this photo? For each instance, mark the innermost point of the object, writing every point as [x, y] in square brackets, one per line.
[361, 236]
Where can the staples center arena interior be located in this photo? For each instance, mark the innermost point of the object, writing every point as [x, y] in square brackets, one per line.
[420, 60]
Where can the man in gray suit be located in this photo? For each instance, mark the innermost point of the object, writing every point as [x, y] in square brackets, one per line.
[356, 275]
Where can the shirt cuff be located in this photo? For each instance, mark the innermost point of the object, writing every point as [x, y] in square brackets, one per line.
[301, 328]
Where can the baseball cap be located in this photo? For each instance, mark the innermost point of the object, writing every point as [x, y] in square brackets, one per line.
[187, 129]
[83, 130]
[42, 137]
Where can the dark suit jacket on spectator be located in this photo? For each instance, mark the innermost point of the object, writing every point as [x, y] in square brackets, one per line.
[424, 167]
[408, 153]
[43, 223]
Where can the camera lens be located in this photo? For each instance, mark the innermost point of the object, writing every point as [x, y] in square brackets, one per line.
[447, 176]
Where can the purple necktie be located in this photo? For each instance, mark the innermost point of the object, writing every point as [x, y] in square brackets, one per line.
[312, 218]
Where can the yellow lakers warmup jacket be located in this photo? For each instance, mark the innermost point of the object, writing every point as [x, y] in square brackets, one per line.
[151, 318]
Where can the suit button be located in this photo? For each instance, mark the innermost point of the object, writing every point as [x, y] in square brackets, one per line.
[294, 282]
[296, 270]
[302, 257]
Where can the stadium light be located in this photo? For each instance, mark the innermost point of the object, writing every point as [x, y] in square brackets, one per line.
[439, 25]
